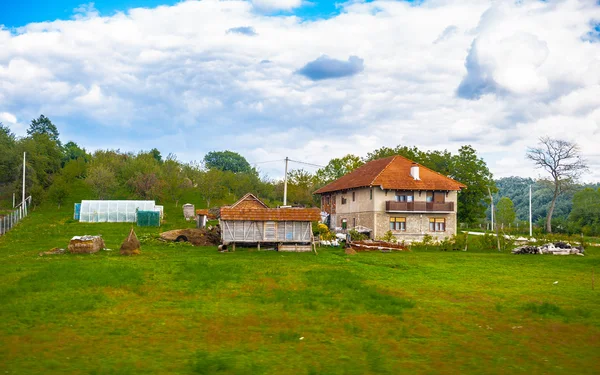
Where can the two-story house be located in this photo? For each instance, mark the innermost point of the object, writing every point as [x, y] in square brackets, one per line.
[394, 194]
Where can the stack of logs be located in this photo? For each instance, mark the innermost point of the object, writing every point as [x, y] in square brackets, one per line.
[370, 245]
[557, 248]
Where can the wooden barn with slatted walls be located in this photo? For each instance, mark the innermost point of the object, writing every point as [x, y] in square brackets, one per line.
[249, 221]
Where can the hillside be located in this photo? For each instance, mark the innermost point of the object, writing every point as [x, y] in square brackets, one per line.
[517, 189]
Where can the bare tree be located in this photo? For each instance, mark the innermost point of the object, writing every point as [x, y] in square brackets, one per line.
[563, 161]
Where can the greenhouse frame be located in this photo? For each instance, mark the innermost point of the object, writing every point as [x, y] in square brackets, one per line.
[104, 211]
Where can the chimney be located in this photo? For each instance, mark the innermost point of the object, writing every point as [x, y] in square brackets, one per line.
[414, 171]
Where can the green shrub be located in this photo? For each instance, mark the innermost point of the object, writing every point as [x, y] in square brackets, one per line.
[389, 237]
[356, 236]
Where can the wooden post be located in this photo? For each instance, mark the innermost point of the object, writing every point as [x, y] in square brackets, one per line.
[233, 246]
[258, 246]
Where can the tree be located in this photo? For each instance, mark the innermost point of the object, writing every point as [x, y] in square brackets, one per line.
[505, 211]
[9, 158]
[145, 185]
[156, 155]
[227, 161]
[72, 152]
[301, 185]
[174, 180]
[338, 167]
[472, 171]
[59, 191]
[562, 160]
[43, 125]
[585, 216]
[210, 185]
[102, 181]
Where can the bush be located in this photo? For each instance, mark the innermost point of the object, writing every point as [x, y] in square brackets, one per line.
[356, 236]
[389, 237]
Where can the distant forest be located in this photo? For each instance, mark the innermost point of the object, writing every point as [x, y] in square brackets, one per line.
[517, 189]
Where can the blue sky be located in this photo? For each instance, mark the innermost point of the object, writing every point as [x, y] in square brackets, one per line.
[310, 80]
[20, 13]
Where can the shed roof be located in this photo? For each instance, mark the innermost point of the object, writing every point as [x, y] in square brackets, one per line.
[392, 173]
[253, 209]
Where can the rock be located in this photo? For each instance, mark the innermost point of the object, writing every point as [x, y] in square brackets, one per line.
[86, 244]
[131, 245]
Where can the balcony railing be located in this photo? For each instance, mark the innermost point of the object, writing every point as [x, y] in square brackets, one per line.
[394, 206]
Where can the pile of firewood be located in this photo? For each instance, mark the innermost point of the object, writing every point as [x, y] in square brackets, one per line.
[370, 245]
[556, 248]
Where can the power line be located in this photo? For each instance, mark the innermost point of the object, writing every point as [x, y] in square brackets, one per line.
[268, 161]
[295, 161]
[305, 163]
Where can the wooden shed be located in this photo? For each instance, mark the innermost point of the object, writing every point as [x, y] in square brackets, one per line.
[250, 221]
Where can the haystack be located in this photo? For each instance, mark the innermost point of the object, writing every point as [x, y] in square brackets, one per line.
[131, 245]
[86, 244]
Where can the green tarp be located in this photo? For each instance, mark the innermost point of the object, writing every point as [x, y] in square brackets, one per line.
[148, 219]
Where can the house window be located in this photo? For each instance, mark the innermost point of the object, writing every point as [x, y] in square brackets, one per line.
[344, 223]
[353, 196]
[344, 200]
[371, 194]
[398, 223]
[404, 197]
[429, 197]
[437, 225]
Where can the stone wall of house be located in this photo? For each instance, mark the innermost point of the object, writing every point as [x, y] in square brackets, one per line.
[371, 213]
[417, 226]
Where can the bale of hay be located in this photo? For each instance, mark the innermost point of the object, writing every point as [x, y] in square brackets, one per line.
[86, 244]
[131, 245]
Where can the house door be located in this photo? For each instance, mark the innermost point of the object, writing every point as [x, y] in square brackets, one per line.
[439, 197]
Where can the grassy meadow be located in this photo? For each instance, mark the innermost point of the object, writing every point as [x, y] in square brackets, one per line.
[178, 309]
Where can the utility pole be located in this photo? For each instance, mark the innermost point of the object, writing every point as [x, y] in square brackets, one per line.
[530, 222]
[23, 202]
[285, 182]
[13, 200]
[492, 207]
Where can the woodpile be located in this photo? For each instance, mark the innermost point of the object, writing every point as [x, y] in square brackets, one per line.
[86, 244]
[556, 248]
[383, 246]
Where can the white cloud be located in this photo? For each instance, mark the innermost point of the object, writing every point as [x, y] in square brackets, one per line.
[270, 5]
[174, 78]
[8, 118]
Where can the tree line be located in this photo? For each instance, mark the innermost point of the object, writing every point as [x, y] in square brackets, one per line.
[222, 177]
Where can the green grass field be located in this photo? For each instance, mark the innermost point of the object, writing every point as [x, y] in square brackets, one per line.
[178, 309]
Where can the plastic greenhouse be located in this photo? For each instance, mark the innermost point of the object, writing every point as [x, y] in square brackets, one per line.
[112, 211]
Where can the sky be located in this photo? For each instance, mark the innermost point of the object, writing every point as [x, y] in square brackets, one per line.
[311, 80]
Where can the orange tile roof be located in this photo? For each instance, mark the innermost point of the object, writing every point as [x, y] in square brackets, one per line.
[271, 214]
[392, 173]
[251, 208]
